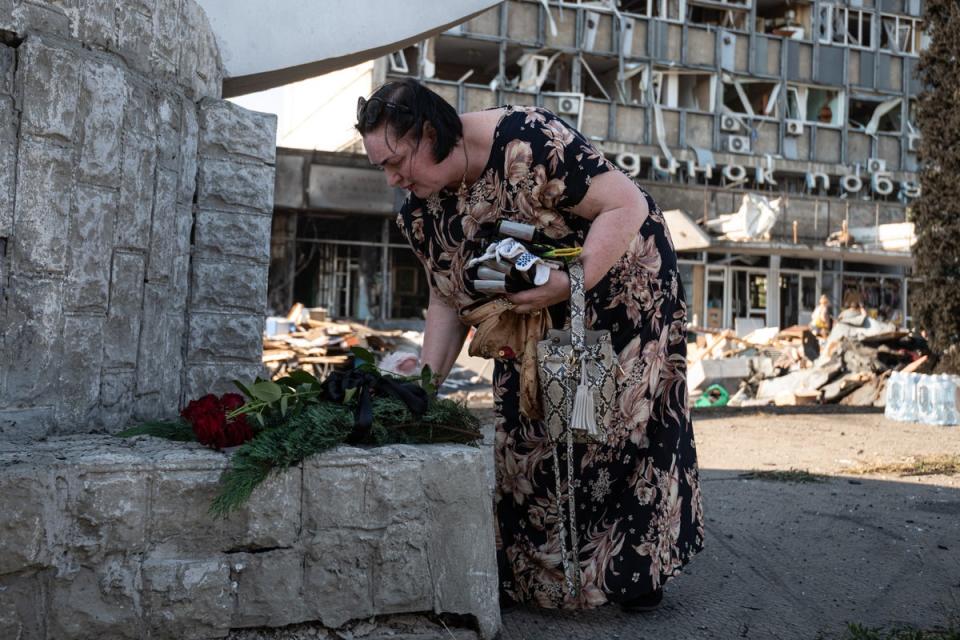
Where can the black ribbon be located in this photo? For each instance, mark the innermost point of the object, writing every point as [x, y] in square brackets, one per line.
[366, 384]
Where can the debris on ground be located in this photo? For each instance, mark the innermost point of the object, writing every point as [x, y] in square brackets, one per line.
[793, 366]
[307, 339]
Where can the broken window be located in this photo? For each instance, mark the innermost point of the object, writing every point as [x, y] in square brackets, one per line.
[465, 60]
[537, 70]
[750, 97]
[900, 34]
[599, 77]
[815, 104]
[684, 90]
[788, 19]
[729, 15]
[873, 114]
[859, 28]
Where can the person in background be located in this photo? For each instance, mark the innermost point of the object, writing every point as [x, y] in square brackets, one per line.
[821, 321]
[639, 515]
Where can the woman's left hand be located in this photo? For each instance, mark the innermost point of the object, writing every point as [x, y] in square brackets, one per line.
[556, 289]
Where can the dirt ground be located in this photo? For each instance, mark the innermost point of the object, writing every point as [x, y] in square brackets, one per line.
[801, 559]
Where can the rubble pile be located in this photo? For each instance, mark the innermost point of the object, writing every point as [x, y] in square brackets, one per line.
[306, 339]
[850, 366]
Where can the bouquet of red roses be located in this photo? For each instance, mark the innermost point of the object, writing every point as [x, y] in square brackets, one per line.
[208, 418]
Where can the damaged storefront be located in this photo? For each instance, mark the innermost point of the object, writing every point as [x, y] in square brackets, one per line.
[335, 244]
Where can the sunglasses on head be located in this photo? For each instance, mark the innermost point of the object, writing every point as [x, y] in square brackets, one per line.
[368, 111]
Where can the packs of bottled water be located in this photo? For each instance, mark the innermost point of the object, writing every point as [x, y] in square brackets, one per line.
[901, 402]
[930, 399]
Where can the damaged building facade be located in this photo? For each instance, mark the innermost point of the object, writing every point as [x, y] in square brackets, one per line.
[780, 135]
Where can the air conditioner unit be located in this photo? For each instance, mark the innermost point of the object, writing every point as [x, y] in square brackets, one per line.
[876, 165]
[569, 105]
[629, 162]
[729, 124]
[737, 144]
[794, 127]
[913, 142]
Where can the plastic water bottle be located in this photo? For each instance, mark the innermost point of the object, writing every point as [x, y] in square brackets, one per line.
[947, 400]
[908, 411]
[893, 406]
[928, 396]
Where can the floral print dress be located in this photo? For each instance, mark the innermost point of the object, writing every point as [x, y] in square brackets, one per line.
[638, 506]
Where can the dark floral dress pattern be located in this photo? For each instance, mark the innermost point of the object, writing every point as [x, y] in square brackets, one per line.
[638, 506]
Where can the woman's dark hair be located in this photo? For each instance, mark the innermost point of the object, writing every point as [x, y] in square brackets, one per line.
[406, 105]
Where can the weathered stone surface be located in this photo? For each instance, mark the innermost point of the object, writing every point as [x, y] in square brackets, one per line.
[41, 17]
[228, 336]
[80, 370]
[166, 18]
[24, 534]
[242, 235]
[91, 239]
[134, 35]
[109, 566]
[103, 95]
[157, 330]
[41, 214]
[116, 398]
[199, 64]
[50, 82]
[169, 123]
[107, 511]
[189, 142]
[401, 569]
[136, 192]
[122, 329]
[269, 589]
[229, 285]
[140, 115]
[188, 599]
[8, 163]
[224, 184]
[8, 61]
[180, 282]
[163, 238]
[229, 129]
[20, 617]
[92, 605]
[470, 543]
[337, 574]
[33, 339]
[29, 424]
[98, 23]
[202, 379]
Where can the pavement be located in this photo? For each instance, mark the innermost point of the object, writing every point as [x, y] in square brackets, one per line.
[787, 560]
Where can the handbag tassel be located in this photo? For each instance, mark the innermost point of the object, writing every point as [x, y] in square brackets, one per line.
[584, 412]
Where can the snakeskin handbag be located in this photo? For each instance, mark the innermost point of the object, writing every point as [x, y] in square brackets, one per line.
[576, 374]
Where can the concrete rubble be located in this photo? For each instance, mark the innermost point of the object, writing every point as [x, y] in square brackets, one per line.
[850, 366]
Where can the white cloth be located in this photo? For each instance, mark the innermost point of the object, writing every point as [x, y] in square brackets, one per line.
[509, 250]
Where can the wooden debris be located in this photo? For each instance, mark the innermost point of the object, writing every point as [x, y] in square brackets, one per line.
[320, 345]
[793, 367]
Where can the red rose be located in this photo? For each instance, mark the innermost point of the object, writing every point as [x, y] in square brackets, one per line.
[206, 404]
[238, 431]
[231, 401]
[208, 417]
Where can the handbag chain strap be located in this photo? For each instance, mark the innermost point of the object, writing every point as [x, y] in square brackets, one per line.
[570, 559]
[578, 306]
